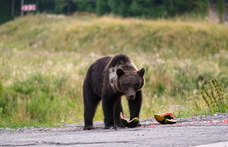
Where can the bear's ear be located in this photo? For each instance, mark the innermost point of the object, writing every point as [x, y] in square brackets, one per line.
[120, 72]
[141, 72]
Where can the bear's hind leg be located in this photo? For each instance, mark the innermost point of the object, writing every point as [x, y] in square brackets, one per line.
[108, 103]
[90, 104]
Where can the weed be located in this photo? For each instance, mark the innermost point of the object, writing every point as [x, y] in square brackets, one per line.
[214, 97]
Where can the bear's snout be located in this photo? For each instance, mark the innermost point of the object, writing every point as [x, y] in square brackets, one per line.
[131, 97]
[130, 94]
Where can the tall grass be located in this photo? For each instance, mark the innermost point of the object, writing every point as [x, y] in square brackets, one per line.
[44, 59]
[214, 97]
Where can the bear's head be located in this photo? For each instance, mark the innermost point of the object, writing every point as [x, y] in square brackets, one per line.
[130, 82]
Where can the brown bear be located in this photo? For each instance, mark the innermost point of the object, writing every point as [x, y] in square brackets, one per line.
[108, 79]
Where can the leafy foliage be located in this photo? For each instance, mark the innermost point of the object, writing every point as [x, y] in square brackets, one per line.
[156, 8]
[102, 7]
[221, 9]
[124, 8]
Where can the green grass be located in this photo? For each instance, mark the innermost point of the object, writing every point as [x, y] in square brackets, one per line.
[215, 97]
[44, 59]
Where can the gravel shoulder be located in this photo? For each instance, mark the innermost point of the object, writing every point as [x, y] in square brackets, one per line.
[189, 131]
[99, 125]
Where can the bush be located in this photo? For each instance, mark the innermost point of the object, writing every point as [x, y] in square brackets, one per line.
[102, 7]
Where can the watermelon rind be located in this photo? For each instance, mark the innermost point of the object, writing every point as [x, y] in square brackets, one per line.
[130, 124]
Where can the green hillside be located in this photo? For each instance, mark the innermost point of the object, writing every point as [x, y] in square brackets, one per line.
[44, 58]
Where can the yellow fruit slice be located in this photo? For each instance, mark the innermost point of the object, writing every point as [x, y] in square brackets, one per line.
[165, 118]
[160, 118]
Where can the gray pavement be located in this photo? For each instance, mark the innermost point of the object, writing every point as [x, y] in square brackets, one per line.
[185, 134]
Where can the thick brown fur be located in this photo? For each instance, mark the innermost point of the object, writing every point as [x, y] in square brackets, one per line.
[108, 79]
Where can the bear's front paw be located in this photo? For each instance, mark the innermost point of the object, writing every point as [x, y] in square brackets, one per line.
[108, 127]
[88, 128]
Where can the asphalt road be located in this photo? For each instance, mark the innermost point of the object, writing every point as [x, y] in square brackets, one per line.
[206, 133]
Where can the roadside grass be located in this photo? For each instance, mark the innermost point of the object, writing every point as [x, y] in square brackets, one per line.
[44, 59]
[215, 97]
